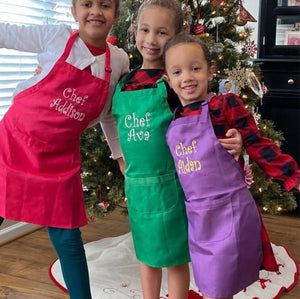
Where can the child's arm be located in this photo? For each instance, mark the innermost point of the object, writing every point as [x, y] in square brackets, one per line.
[262, 150]
[122, 164]
[107, 120]
[30, 38]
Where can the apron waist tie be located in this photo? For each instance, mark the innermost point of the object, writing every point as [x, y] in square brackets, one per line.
[152, 180]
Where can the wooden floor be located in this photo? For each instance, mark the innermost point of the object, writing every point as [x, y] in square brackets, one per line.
[24, 262]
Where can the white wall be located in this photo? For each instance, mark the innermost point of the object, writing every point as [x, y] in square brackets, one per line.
[253, 7]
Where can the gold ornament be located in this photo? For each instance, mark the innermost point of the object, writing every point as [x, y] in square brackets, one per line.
[240, 22]
[233, 29]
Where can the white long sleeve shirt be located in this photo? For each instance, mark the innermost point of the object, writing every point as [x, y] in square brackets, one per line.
[49, 42]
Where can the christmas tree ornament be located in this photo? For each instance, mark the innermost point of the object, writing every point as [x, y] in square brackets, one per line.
[216, 2]
[250, 48]
[112, 39]
[240, 22]
[255, 85]
[198, 28]
[238, 76]
[217, 48]
[248, 176]
[245, 15]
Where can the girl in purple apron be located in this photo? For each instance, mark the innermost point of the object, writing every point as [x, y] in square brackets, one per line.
[223, 220]
[39, 153]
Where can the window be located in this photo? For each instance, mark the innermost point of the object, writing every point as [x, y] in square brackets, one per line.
[17, 66]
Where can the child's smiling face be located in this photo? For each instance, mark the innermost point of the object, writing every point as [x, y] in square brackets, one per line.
[188, 72]
[154, 29]
[95, 18]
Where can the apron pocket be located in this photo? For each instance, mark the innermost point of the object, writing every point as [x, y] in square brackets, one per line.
[210, 219]
[154, 194]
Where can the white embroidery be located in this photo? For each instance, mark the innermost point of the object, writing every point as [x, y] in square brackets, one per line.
[65, 104]
[137, 127]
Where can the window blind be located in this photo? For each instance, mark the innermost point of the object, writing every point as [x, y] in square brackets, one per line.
[16, 66]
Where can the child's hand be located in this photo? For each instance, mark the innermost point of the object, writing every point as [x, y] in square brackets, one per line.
[233, 143]
[122, 165]
[297, 187]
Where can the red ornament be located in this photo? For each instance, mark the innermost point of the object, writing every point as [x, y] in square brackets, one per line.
[112, 40]
[199, 29]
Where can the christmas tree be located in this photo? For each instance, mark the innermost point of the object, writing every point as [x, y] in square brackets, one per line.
[103, 183]
[224, 26]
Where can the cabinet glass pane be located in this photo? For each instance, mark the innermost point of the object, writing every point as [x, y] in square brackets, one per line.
[288, 2]
[288, 30]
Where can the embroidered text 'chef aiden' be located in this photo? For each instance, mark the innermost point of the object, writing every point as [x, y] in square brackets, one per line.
[185, 163]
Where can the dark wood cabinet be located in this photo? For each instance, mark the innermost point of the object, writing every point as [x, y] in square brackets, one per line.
[279, 59]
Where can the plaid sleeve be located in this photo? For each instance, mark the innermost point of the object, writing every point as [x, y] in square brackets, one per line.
[262, 150]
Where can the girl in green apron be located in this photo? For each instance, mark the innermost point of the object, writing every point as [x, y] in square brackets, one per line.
[155, 198]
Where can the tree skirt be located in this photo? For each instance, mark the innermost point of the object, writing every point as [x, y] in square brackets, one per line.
[114, 273]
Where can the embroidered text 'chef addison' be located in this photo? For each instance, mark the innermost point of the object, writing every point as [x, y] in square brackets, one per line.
[69, 103]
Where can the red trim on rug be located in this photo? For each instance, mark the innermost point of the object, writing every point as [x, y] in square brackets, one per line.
[295, 276]
[195, 295]
[54, 280]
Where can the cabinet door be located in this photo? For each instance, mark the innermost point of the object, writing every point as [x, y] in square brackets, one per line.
[284, 111]
[279, 28]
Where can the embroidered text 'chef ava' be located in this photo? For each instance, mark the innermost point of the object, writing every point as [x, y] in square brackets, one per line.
[137, 127]
[185, 164]
[67, 102]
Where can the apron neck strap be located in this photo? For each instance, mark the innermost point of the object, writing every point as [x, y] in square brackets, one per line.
[204, 105]
[107, 63]
[69, 44]
[209, 97]
[107, 54]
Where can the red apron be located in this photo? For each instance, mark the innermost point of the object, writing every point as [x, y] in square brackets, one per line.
[40, 154]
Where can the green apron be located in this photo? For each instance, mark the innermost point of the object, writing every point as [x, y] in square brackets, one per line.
[155, 198]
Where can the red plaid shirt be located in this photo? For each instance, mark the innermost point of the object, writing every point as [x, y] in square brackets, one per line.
[227, 111]
[143, 79]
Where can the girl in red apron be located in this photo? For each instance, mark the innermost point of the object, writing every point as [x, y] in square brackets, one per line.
[224, 223]
[40, 154]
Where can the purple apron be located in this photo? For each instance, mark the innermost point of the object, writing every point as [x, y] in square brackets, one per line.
[223, 220]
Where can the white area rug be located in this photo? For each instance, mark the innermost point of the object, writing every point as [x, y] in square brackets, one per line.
[114, 273]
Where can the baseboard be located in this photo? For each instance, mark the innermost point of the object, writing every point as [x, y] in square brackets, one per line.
[15, 231]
